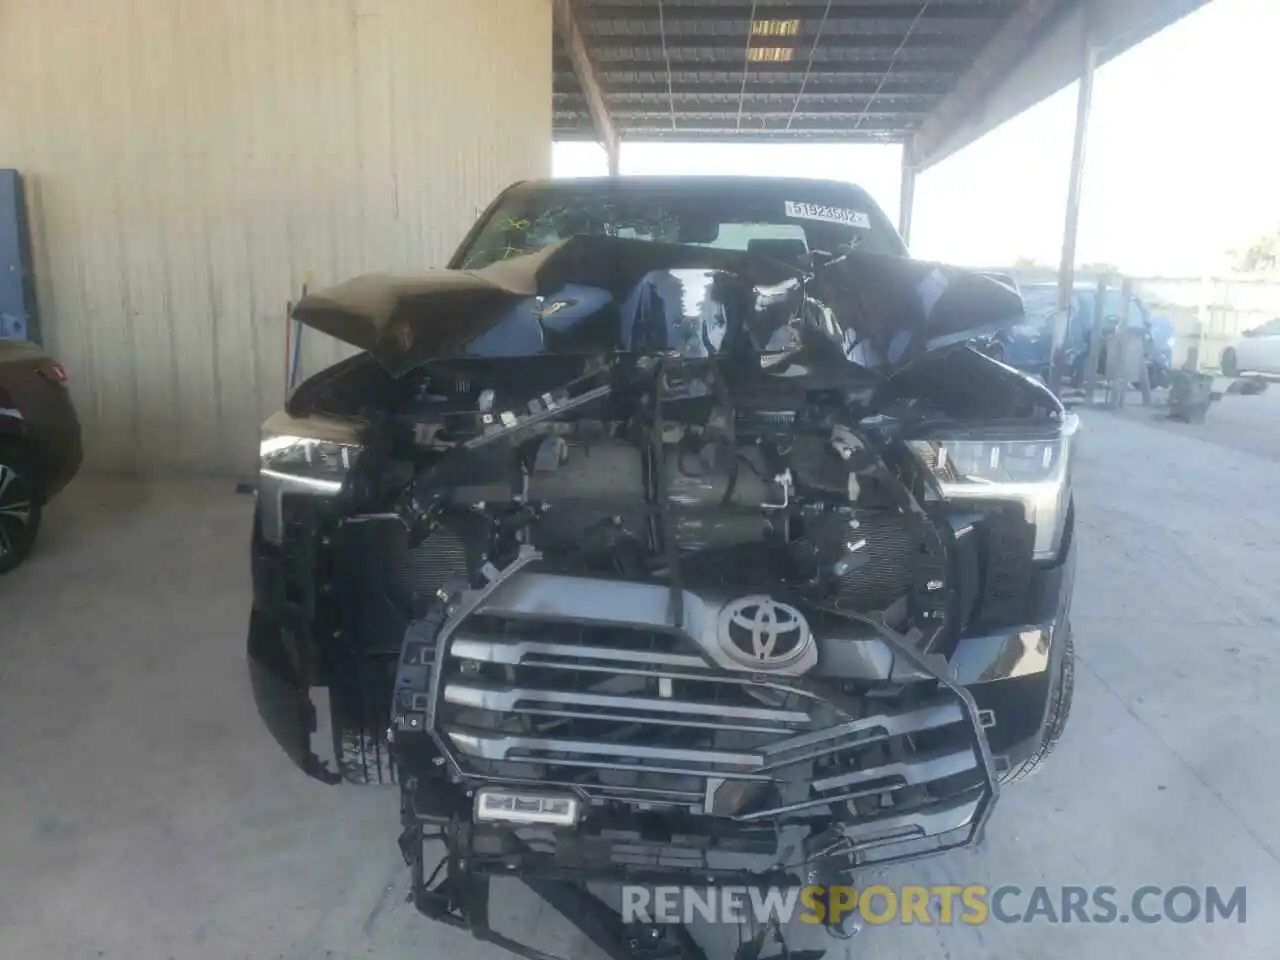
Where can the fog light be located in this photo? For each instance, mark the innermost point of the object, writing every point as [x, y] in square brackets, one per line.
[505, 805]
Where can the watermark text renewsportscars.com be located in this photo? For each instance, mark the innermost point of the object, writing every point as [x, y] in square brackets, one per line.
[938, 904]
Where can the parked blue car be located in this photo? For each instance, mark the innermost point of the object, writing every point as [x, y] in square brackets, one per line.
[1028, 346]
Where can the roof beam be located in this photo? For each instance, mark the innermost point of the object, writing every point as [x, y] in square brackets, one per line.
[830, 126]
[754, 104]
[621, 73]
[888, 42]
[571, 36]
[623, 90]
[826, 133]
[1034, 55]
[611, 60]
[939, 9]
[838, 112]
[1006, 50]
[753, 100]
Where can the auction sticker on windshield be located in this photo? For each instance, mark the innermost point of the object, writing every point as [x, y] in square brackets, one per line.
[818, 211]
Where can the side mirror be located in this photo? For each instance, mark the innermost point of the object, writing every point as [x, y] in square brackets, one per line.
[1249, 333]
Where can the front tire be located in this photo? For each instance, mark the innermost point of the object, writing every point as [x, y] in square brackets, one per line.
[1230, 363]
[19, 507]
[1056, 719]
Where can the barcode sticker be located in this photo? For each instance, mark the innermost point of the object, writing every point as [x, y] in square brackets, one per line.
[818, 211]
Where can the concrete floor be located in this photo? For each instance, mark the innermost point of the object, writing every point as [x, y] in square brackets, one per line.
[1244, 423]
[144, 812]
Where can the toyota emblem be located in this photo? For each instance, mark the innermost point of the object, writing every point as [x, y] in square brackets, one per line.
[761, 632]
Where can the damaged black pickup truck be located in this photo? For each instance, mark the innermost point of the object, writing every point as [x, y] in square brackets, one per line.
[673, 534]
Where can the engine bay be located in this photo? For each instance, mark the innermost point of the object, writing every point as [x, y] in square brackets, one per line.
[533, 527]
[714, 492]
[685, 610]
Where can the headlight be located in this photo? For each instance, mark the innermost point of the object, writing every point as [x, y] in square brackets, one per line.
[325, 462]
[1035, 470]
[309, 457]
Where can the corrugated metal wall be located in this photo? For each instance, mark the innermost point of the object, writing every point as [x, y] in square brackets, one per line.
[191, 164]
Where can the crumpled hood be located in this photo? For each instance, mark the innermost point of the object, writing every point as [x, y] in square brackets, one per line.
[592, 295]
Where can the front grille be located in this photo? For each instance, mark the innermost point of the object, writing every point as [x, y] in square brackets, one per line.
[636, 712]
[627, 712]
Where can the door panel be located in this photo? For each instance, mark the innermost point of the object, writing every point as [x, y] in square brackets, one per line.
[1268, 349]
[1261, 352]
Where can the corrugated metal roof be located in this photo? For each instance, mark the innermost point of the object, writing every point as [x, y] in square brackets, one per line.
[844, 70]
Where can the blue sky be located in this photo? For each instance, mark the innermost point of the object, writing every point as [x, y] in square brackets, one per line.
[1183, 158]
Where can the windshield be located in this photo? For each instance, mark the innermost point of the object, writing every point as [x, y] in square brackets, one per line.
[779, 221]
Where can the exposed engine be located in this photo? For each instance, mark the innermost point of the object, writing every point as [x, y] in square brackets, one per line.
[643, 597]
[715, 495]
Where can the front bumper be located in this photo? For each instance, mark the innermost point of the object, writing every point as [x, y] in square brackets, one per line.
[49, 422]
[63, 452]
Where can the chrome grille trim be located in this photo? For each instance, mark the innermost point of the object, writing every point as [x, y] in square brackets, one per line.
[626, 604]
[499, 747]
[891, 723]
[936, 819]
[517, 699]
[540, 678]
[914, 772]
[881, 726]
[501, 650]
[778, 737]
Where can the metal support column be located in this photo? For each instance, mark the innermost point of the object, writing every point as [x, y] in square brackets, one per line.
[566, 19]
[1067, 267]
[1120, 366]
[1095, 336]
[907, 196]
